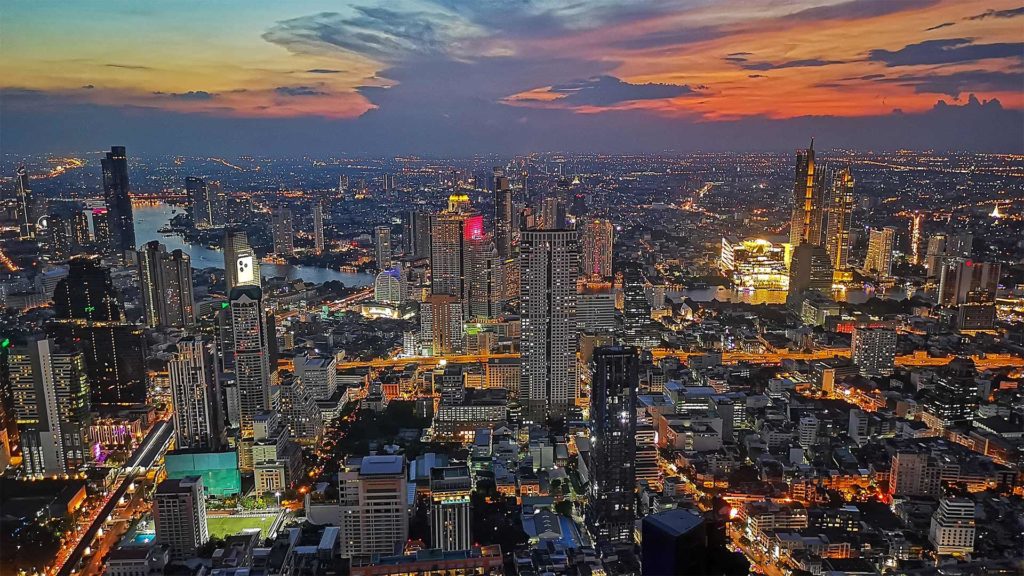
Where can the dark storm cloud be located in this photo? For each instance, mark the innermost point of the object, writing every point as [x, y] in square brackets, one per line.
[990, 13]
[957, 83]
[298, 91]
[608, 90]
[938, 26]
[808, 63]
[379, 33]
[946, 51]
[860, 9]
[190, 95]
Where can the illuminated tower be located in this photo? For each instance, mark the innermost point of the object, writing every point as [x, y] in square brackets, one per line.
[166, 283]
[915, 238]
[807, 201]
[241, 267]
[456, 234]
[880, 246]
[318, 227]
[382, 246]
[252, 354]
[502, 214]
[119, 205]
[549, 267]
[283, 232]
[198, 422]
[839, 220]
[611, 508]
[598, 237]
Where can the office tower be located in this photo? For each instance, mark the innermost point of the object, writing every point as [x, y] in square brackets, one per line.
[450, 488]
[166, 283]
[839, 219]
[118, 202]
[674, 542]
[549, 266]
[552, 214]
[954, 398]
[636, 310]
[318, 374]
[449, 231]
[961, 280]
[50, 388]
[87, 308]
[283, 232]
[483, 270]
[241, 267]
[953, 526]
[374, 515]
[595, 308]
[318, 227]
[914, 473]
[199, 198]
[915, 238]
[441, 326]
[101, 232]
[179, 516]
[880, 246]
[503, 223]
[416, 233]
[251, 354]
[195, 395]
[874, 350]
[805, 225]
[611, 509]
[382, 247]
[598, 235]
[27, 210]
[810, 269]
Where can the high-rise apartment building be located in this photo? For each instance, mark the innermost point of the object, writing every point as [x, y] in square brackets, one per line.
[202, 203]
[874, 350]
[416, 233]
[282, 230]
[881, 243]
[611, 508]
[450, 232]
[241, 266]
[50, 391]
[450, 488]
[195, 395]
[251, 353]
[166, 283]
[502, 214]
[961, 280]
[952, 529]
[441, 326]
[116, 191]
[549, 266]
[598, 237]
[179, 516]
[839, 220]
[805, 224]
[382, 247]
[374, 515]
[319, 374]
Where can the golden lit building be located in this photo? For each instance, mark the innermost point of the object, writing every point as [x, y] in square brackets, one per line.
[756, 263]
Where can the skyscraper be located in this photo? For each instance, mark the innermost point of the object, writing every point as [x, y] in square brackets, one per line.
[198, 422]
[441, 324]
[961, 280]
[241, 267]
[166, 283]
[839, 220]
[374, 513]
[552, 214]
[119, 205]
[51, 406]
[810, 269]
[873, 350]
[502, 214]
[252, 354]
[318, 227]
[805, 225]
[636, 310]
[198, 194]
[598, 236]
[450, 488]
[952, 528]
[483, 269]
[101, 233]
[416, 233]
[880, 246]
[382, 247]
[283, 232]
[179, 516]
[549, 266]
[954, 398]
[934, 254]
[611, 508]
[674, 542]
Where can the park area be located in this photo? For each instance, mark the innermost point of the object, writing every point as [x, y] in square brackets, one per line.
[224, 526]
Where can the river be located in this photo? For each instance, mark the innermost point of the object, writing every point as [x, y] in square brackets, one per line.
[149, 219]
[761, 296]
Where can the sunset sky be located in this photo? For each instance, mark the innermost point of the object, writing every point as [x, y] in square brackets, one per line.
[401, 75]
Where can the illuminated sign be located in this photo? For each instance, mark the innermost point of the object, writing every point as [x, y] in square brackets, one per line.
[474, 229]
[244, 269]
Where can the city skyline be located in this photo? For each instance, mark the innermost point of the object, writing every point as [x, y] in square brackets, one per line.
[406, 78]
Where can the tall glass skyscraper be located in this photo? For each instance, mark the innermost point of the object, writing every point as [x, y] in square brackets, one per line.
[119, 204]
[807, 200]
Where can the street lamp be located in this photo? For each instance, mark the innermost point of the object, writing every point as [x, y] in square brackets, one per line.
[278, 494]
